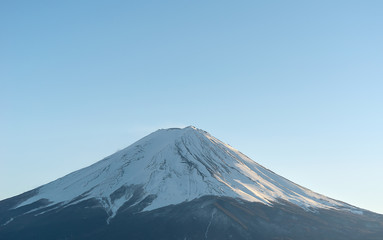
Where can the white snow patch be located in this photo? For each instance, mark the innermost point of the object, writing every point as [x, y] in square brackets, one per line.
[211, 219]
[7, 222]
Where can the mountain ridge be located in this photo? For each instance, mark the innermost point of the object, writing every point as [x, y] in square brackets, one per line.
[178, 184]
[177, 165]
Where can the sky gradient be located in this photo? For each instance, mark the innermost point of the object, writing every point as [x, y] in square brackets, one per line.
[297, 86]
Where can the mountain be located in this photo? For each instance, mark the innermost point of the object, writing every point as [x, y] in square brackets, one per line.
[181, 184]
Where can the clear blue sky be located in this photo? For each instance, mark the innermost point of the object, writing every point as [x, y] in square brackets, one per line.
[295, 85]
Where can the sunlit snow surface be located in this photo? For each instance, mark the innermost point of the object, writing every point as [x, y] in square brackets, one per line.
[178, 165]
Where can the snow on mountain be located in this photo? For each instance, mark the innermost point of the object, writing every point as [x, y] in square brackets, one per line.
[177, 165]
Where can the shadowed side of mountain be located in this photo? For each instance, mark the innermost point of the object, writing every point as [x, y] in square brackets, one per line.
[208, 217]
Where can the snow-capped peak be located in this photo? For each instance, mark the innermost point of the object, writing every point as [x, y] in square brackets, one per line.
[176, 165]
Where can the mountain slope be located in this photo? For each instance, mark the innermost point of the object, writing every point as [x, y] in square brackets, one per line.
[171, 168]
[177, 165]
